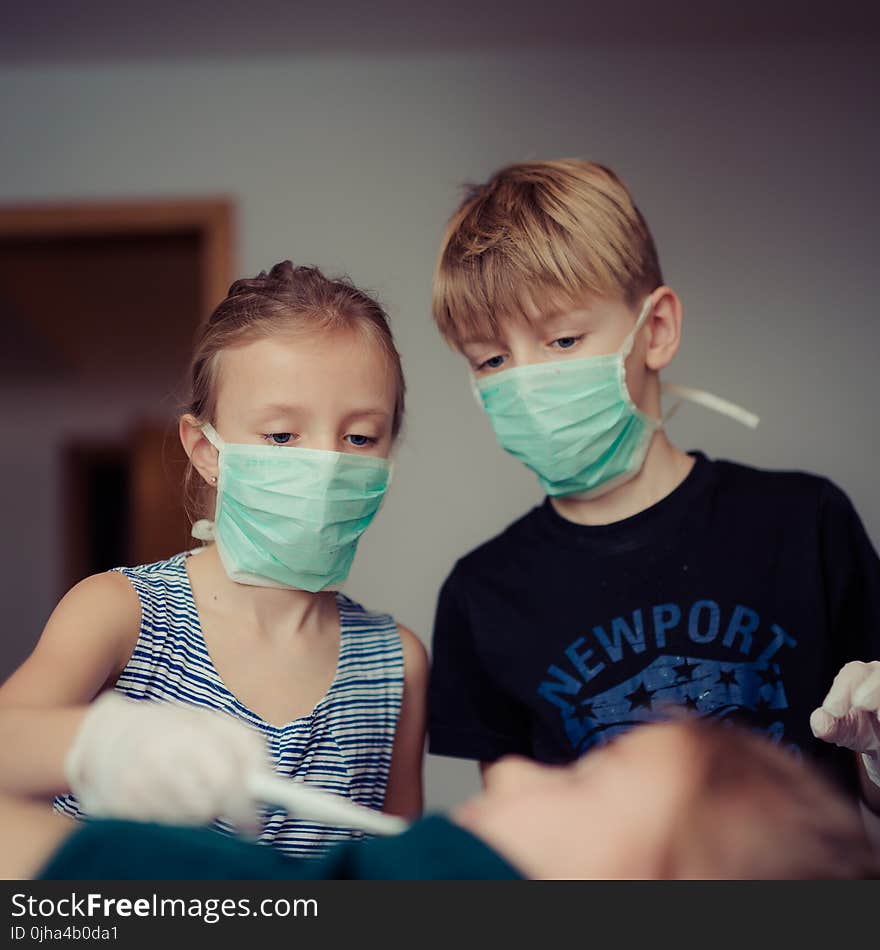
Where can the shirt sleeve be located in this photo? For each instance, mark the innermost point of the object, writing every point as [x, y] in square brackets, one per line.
[852, 579]
[470, 715]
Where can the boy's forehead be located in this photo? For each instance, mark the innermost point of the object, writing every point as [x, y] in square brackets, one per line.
[535, 313]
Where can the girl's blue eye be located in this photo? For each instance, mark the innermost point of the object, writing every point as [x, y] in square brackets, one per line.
[493, 362]
[280, 438]
[360, 440]
[566, 342]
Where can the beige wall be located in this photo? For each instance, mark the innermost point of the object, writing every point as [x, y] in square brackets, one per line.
[756, 167]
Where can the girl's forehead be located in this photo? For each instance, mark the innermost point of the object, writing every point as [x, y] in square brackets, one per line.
[301, 367]
[317, 351]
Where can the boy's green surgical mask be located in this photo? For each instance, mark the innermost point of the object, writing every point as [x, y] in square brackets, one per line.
[291, 517]
[574, 423]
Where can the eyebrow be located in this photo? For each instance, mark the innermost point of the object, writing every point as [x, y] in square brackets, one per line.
[276, 409]
[546, 319]
[366, 412]
[281, 409]
[486, 342]
[560, 316]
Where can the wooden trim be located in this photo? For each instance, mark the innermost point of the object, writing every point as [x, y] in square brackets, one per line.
[213, 218]
[217, 256]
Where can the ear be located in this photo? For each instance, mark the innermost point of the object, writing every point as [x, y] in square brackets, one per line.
[201, 453]
[664, 328]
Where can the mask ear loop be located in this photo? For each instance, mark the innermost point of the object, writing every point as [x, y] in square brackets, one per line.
[210, 433]
[698, 396]
[673, 409]
[622, 354]
[628, 343]
[203, 529]
[709, 401]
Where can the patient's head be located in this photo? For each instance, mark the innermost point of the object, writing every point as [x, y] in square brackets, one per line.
[686, 799]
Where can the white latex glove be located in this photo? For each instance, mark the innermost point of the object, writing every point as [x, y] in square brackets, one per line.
[850, 714]
[153, 761]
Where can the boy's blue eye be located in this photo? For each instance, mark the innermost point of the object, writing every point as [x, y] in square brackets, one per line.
[493, 362]
[566, 342]
[360, 440]
[280, 438]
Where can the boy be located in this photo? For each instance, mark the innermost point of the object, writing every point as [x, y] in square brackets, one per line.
[648, 576]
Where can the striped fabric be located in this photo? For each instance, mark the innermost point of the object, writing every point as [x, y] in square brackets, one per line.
[343, 745]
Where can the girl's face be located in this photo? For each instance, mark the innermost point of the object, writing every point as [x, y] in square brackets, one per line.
[330, 390]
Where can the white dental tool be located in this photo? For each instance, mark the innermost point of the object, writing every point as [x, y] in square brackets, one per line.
[304, 801]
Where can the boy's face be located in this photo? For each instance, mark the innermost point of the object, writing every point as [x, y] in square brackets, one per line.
[596, 326]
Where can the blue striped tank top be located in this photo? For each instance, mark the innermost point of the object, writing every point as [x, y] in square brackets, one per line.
[343, 745]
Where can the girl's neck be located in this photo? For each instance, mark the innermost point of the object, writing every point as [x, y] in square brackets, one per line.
[276, 613]
[664, 469]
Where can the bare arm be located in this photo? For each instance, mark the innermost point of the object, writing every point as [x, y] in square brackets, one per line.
[404, 793]
[82, 650]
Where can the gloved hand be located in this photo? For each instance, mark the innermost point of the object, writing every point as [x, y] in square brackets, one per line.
[154, 761]
[850, 714]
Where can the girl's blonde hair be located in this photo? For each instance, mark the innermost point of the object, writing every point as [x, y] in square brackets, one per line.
[284, 300]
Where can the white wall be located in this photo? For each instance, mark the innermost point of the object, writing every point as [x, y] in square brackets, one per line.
[756, 168]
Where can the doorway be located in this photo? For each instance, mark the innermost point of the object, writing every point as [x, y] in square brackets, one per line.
[99, 304]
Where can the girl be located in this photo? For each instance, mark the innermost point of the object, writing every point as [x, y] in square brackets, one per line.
[297, 398]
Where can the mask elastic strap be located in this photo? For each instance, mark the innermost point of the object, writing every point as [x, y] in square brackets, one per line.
[630, 340]
[708, 401]
[210, 433]
[203, 529]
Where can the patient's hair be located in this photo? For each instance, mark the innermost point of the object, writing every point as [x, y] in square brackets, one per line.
[756, 811]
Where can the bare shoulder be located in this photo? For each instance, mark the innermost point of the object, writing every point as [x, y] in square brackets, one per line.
[108, 593]
[415, 655]
[101, 607]
[85, 644]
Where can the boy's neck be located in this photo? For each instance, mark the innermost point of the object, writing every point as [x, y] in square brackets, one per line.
[664, 469]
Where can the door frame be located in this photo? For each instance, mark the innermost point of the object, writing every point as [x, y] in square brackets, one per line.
[213, 218]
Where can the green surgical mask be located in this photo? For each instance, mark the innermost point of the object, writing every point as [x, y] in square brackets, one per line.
[574, 423]
[291, 517]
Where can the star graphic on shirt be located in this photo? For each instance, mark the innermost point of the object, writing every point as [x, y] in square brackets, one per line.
[639, 697]
[690, 703]
[762, 705]
[587, 709]
[768, 676]
[727, 678]
[684, 671]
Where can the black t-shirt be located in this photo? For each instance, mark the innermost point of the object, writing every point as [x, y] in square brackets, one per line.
[739, 596]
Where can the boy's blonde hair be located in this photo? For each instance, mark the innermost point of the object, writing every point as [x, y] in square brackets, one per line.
[539, 235]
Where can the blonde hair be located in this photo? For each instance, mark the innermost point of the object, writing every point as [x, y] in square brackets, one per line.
[538, 234]
[286, 299]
